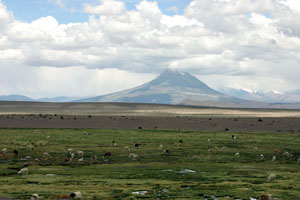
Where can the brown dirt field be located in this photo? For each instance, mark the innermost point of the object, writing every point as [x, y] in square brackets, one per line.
[145, 116]
[215, 124]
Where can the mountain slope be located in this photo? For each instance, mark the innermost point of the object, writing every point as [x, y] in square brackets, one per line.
[170, 87]
[15, 97]
[58, 99]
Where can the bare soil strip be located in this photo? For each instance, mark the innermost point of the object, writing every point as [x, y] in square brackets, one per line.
[214, 124]
[145, 116]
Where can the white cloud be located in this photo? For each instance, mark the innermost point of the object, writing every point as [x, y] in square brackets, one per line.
[294, 5]
[260, 19]
[242, 40]
[106, 8]
[149, 10]
[11, 54]
[5, 17]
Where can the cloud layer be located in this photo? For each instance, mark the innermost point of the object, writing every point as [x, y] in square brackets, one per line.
[252, 44]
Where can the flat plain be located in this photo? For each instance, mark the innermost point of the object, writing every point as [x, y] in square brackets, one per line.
[203, 160]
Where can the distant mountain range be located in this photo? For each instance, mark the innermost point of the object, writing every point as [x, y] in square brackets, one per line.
[17, 97]
[291, 96]
[176, 87]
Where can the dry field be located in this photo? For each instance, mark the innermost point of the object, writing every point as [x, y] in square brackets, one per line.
[145, 116]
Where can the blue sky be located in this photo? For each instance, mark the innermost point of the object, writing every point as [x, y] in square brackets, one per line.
[71, 10]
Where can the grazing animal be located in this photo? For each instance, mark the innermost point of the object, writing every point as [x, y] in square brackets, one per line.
[80, 153]
[30, 146]
[34, 197]
[127, 148]
[94, 157]
[23, 171]
[286, 154]
[70, 151]
[71, 158]
[166, 151]
[262, 157]
[86, 133]
[180, 143]
[271, 177]
[80, 159]
[292, 157]
[210, 150]
[265, 197]
[3, 151]
[45, 154]
[237, 154]
[274, 159]
[233, 137]
[107, 154]
[160, 147]
[16, 152]
[136, 145]
[27, 157]
[76, 195]
[208, 140]
[133, 156]
[255, 148]
[114, 143]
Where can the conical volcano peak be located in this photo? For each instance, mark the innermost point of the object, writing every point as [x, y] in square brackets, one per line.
[176, 78]
[170, 87]
[175, 71]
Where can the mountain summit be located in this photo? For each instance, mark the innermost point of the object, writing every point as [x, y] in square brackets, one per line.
[170, 87]
[176, 78]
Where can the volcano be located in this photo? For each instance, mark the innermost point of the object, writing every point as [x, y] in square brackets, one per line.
[170, 87]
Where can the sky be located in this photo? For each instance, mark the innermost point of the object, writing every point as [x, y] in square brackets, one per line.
[82, 48]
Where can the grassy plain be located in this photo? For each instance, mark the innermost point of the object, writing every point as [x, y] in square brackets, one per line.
[164, 176]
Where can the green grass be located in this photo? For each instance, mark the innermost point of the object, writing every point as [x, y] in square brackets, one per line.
[219, 173]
